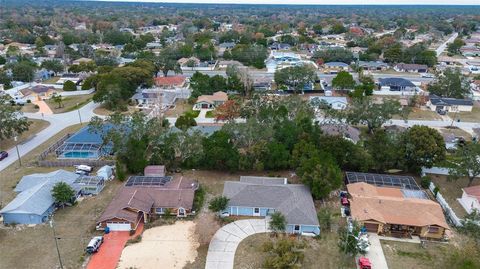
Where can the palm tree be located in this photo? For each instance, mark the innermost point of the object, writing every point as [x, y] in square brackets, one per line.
[58, 99]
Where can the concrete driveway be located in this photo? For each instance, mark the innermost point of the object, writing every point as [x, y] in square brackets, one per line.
[376, 255]
[221, 251]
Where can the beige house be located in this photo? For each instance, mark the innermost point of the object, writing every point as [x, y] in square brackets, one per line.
[38, 93]
[210, 101]
[392, 212]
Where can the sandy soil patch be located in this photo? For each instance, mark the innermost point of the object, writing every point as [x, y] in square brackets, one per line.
[169, 246]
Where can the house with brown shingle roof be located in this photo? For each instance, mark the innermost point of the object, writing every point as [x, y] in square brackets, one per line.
[38, 92]
[145, 197]
[391, 211]
[210, 101]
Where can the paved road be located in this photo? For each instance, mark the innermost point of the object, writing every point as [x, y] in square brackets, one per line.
[327, 77]
[221, 251]
[58, 122]
[444, 45]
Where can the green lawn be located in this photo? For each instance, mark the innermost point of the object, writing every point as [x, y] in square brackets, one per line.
[401, 255]
[210, 114]
[473, 116]
[70, 103]
[35, 127]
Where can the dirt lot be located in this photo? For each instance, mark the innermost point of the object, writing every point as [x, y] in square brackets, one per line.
[33, 247]
[402, 255]
[181, 106]
[69, 103]
[29, 108]
[35, 127]
[172, 246]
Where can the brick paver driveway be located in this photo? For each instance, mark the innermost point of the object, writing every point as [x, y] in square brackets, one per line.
[221, 251]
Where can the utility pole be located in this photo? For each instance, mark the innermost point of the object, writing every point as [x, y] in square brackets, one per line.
[79, 116]
[15, 138]
[56, 242]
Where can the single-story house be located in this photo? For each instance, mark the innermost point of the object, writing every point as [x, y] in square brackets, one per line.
[373, 65]
[392, 211]
[262, 84]
[334, 102]
[470, 199]
[280, 46]
[34, 202]
[348, 132]
[81, 60]
[262, 196]
[210, 101]
[415, 68]
[470, 51]
[170, 82]
[75, 78]
[85, 144]
[89, 185]
[144, 197]
[396, 84]
[37, 93]
[437, 103]
[226, 63]
[335, 67]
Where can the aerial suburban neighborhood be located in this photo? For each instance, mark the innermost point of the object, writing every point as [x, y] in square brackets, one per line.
[270, 134]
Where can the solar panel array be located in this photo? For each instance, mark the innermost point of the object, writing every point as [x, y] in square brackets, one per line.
[381, 180]
[143, 181]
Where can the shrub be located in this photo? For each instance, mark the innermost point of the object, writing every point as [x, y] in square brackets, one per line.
[69, 86]
[435, 191]
[119, 169]
[425, 182]
[199, 199]
[29, 101]
[134, 240]
[36, 107]
[218, 204]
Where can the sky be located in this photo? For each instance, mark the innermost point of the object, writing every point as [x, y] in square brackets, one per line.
[319, 2]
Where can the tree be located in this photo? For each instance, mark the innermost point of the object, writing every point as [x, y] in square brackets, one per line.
[228, 111]
[466, 162]
[451, 83]
[422, 146]
[283, 254]
[393, 54]
[250, 54]
[321, 174]
[166, 61]
[62, 193]
[5, 80]
[343, 80]
[334, 55]
[23, 71]
[384, 150]
[12, 123]
[185, 121]
[58, 99]
[278, 223]
[296, 77]
[366, 111]
[454, 47]
[69, 86]
[276, 156]
[2, 60]
[53, 65]
[348, 241]
[219, 152]
[218, 204]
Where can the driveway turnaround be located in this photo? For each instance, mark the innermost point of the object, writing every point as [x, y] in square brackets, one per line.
[221, 252]
[376, 255]
[111, 249]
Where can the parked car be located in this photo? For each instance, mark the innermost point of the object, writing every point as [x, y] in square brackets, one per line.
[81, 172]
[3, 155]
[442, 112]
[94, 244]
[427, 75]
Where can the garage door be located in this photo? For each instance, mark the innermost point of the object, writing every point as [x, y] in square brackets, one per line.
[371, 227]
[119, 226]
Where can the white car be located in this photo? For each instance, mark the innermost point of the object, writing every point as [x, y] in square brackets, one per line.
[427, 75]
[94, 244]
[85, 168]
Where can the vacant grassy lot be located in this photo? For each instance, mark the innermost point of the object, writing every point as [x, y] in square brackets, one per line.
[420, 114]
[33, 247]
[319, 253]
[29, 108]
[51, 80]
[181, 106]
[402, 255]
[69, 103]
[451, 190]
[473, 116]
[35, 127]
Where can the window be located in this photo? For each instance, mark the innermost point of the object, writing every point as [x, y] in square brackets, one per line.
[160, 210]
[433, 229]
[257, 210]
[297, 228]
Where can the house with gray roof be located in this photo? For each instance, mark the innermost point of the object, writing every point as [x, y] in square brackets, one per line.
[396, 84]
[373, 65]
[34, 202]
[437, 103]
[262, 196]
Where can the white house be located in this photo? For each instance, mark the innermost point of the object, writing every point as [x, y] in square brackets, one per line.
[334, 102]
[470, 198]
[449, 104]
